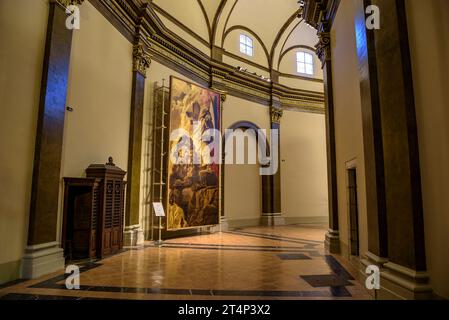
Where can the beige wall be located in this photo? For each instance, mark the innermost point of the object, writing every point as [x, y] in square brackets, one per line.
[245, 65]
[243, 194]
[304, 171]
[288, 64]
[99, 91]
[348, 119]
[23, 26]
[232, 45]
[301, 84]
[188, 12]
[429, 42]
[243, 184]
[185, 35]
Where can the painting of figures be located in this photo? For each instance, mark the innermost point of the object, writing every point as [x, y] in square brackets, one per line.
[194, 161]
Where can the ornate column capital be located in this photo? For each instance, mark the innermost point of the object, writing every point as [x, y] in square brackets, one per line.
[323, 47]
[276, 115]
[66, 3]
[141, 59]
[223, 97]
[223, 94]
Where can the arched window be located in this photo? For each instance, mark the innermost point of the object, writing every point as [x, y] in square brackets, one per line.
[246, 45]
[304, 63]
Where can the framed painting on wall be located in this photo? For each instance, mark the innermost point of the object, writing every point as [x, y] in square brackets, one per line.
[193, 198]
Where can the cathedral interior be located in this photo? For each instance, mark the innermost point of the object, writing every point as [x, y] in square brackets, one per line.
[224, 150]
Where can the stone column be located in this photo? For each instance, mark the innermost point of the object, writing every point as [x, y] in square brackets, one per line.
[43, 253]
[134, 235]
[271, 184]
[323, 49]
[406, 267]
[372, 141]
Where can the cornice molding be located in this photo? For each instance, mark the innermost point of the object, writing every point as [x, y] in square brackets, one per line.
[318, 11]
[167, 48]
[245, 61]
[298, 77]
[321, 14]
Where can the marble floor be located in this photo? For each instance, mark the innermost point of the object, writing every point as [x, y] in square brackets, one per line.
[287, 262]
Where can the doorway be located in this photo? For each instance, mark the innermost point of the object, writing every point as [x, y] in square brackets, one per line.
[353, 212]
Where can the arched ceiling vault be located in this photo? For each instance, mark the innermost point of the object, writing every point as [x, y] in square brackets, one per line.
[276, 24]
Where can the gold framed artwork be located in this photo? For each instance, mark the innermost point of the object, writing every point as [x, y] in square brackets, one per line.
[194, 169]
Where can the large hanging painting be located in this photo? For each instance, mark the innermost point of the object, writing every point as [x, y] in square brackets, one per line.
[194, 160]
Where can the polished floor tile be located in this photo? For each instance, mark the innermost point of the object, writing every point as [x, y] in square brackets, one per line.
[287, 262]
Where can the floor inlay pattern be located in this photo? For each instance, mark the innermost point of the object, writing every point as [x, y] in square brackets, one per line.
[252, 263]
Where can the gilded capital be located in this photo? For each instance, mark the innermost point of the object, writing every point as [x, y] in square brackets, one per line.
[66, 3]
[276, 115]
[323, 48]
[223, 94]
[141, 59]
[223, 97]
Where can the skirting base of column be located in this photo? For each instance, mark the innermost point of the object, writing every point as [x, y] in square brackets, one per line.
[370, 259]
[397, 282]
[42, 259]
[332, 242]
[223, 226]
[133, 236]
[270, 220]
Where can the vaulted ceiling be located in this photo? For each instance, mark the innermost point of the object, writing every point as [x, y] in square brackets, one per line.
[276, 24]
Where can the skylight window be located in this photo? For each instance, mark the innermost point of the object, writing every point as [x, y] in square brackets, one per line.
[304, 63]
[246, 45]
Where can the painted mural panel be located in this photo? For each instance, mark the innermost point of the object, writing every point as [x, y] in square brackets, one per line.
[193, 166]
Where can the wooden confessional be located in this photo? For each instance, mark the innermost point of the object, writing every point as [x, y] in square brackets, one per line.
[93, 215]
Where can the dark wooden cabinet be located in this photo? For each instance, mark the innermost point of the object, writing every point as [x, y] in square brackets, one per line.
[94, 210]
[112, 207]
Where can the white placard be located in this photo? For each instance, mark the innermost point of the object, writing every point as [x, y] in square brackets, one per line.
[158, 209]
